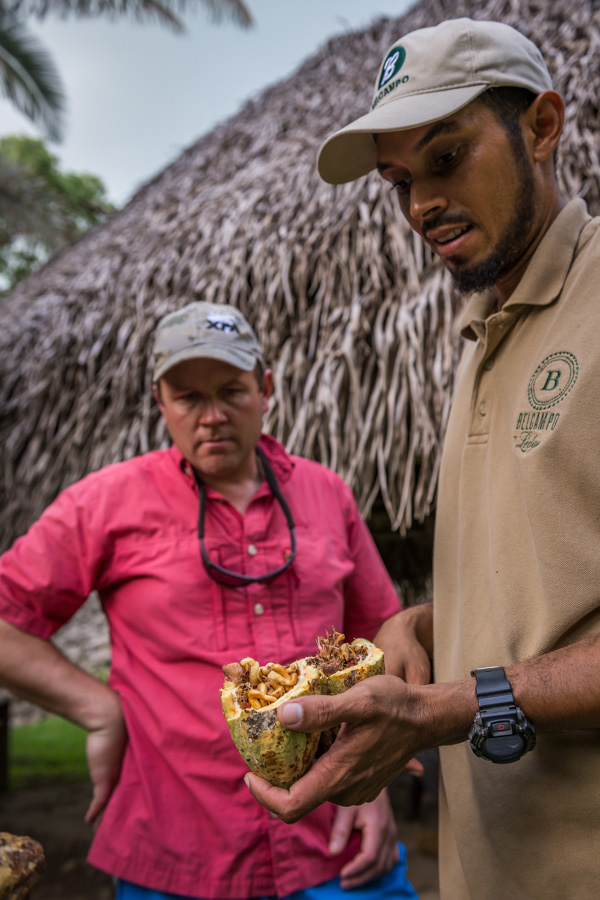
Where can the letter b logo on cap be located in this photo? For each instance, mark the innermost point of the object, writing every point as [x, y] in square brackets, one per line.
[392, 64]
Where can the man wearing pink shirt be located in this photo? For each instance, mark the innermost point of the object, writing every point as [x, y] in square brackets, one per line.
[221, 547]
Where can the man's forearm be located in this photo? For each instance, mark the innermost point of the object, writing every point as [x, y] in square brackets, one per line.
[559, 690]
[35, 670]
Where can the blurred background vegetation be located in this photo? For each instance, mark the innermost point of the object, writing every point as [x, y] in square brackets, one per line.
[46, 753]
[43, 209]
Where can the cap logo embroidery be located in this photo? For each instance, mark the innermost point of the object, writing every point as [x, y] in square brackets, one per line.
[225, 323]
[391, 64]
[388, 81]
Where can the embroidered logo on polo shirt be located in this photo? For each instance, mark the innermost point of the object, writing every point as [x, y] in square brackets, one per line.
[552, 380]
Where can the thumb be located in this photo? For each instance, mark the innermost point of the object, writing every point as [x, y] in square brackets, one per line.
[314, 713]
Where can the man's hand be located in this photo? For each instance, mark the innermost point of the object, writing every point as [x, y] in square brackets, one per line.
[407, 642]
[105, 749]
[37, 671]
[379, 737]
[379, 846]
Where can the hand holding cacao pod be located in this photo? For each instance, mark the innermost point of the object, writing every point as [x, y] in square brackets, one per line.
[252, 693]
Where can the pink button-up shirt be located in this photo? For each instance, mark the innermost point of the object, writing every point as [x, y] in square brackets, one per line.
[181, 819]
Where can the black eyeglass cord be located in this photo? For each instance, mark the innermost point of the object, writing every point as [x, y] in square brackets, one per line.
[239, 579]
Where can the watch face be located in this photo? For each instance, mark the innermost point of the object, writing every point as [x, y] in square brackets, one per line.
[504, 748]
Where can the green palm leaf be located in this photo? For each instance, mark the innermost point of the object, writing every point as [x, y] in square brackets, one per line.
[29, 78]
[165, 11]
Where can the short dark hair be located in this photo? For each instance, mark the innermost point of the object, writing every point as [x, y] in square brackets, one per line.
[259, 372]
[508, 103]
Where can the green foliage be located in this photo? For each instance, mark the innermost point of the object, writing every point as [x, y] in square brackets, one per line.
[48, 752]
[80, 199]
[41, 207]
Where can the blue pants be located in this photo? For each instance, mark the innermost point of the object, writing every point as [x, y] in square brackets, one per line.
[393, 886]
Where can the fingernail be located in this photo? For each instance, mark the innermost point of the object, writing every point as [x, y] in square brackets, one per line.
[247, 780]
[290, 714]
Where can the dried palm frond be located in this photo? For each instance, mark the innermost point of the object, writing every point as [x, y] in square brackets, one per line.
[358, 320]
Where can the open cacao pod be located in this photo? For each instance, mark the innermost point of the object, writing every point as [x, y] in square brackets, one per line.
[252, 693]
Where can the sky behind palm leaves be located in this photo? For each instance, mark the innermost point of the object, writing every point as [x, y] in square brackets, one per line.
[138, 95]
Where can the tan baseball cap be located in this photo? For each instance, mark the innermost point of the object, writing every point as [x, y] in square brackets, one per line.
[205, 331]
[427, 75]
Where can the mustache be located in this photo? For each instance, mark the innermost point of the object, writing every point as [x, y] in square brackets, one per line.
[444, 222]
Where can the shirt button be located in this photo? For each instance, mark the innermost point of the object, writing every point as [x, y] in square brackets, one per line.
[482, 409]
[258, 609]
[489, 364]
[252, 551]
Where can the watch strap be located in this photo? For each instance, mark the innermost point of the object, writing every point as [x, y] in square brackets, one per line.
[492, 687]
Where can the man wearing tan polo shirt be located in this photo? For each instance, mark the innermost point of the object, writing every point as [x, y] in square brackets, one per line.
[464, 124]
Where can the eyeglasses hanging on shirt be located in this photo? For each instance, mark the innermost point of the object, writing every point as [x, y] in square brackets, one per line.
[238, 579]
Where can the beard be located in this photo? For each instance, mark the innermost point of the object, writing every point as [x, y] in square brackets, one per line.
[513, 243]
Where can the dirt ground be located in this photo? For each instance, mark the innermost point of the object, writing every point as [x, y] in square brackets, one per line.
[54, 817]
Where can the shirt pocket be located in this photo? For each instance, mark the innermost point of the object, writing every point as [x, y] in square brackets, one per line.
[248, 615]
[159, 599]
[315, 584]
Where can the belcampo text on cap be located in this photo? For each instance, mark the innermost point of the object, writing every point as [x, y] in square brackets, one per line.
[427, 75]
[203, 330]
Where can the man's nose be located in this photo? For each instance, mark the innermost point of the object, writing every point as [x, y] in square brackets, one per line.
[212, 413]
[425, 203]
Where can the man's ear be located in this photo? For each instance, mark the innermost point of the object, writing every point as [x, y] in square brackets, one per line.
[546, 117]
[267, 388]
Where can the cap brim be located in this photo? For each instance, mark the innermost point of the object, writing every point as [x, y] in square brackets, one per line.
[351, 152]
[239, 359]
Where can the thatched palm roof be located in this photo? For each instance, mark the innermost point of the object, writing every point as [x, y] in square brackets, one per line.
[358, 320]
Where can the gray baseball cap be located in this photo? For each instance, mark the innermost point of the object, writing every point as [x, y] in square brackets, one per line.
[205, 331]
[430, 74]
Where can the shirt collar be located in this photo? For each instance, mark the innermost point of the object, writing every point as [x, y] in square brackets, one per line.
[545, 275]
[280, 460]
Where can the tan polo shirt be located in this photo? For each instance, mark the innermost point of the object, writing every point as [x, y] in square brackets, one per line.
[517, 566]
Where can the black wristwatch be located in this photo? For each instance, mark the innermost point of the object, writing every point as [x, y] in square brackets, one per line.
[501, 732]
